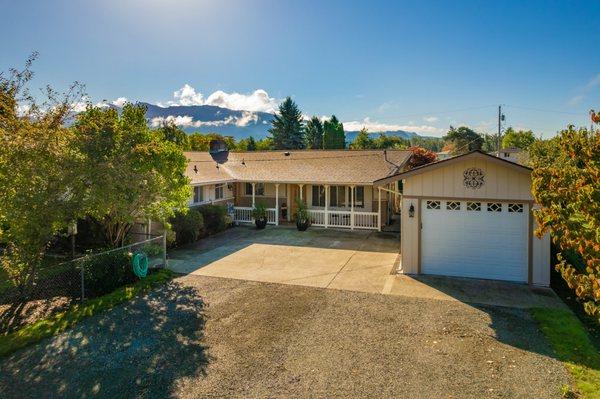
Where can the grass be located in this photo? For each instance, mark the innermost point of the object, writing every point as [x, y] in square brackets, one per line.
[573, 347]
[67, 319]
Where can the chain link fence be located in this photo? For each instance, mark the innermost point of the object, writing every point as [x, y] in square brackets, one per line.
[58, 285]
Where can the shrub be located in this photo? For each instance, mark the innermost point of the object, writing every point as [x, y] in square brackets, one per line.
[105, 273]
[215, 218]
[187, 226]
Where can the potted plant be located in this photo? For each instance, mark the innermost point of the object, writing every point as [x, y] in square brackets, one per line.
[302, 219]
[259, 213]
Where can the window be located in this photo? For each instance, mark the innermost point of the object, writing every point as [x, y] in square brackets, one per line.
[494, 207]
[219, 191]
[318, 196]
[198, 194]
[433, 204]
[515, 208]
[473, 206]
[453, 205]
[359, 196]
[506, 155]
[337, 196]
[259, 189]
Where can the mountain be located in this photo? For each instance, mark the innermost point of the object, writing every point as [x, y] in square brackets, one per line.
[228, 122]
[209, 118]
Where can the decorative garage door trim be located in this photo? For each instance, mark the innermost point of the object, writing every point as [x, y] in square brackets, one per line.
[475, 238]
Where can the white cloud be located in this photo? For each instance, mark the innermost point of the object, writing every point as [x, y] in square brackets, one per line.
[430, 119]
[583, 91]
[375, 127]
[257, 101]
[119, 102]
[187, 95]
[187, 121]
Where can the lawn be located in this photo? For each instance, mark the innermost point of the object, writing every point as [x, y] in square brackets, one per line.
[67, 319]
[573, 347]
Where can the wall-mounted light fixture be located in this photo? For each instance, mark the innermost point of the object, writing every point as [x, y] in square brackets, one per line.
[411, 211]
[195, 169]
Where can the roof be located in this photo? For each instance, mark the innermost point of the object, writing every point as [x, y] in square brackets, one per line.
[511, 150]
[300, 166]
[449, 161]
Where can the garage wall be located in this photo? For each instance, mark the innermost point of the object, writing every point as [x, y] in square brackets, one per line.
[409, 236]
[501, 182]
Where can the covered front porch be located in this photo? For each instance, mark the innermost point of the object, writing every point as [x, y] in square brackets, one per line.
[350, 206]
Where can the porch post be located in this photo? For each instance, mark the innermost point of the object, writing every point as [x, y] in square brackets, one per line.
[351, 207]
[253, 194]
[326, 206]
[301, 185]
[276, 204]
[379, 209]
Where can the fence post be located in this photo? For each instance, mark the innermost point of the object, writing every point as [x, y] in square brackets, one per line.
[164, 245]
[82, 282]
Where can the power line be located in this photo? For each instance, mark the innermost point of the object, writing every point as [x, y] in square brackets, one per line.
[546, 110]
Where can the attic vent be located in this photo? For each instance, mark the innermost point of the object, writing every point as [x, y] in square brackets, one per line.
[287, 153]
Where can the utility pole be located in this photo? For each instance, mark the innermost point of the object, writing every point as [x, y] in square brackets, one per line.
[500, 120]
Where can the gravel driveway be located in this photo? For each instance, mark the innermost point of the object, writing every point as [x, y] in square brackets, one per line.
[212, 337]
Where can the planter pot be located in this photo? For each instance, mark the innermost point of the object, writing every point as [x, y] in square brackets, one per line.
[302, 225]
[260, 223]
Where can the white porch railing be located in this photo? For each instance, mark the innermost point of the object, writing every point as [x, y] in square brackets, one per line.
[243, 214]
[365, 220]
[343, 219]
[271, 216]
[317, 217]
[339, 219]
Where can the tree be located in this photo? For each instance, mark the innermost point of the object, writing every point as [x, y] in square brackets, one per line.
[333, 134]
[132, 172]
[287, 129]
[463, 140]
[566, 185]
[421, 156]
[314, 133]
[362, 141]
[173, 133]
[490, 142]
[388, 142]
[201, 142]
[40, 185]
[434, 144]
[520, 139]
[251, 144]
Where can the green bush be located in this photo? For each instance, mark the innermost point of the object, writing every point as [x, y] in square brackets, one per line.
[105, 273]
[215, 218]
[187, 226]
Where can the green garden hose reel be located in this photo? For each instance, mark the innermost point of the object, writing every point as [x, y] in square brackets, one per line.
[139, 261]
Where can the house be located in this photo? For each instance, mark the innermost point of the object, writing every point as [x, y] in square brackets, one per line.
[336, 185]
[471, 216]
[512, 154]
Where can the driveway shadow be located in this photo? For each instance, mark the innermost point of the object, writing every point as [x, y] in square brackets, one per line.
[135, 350]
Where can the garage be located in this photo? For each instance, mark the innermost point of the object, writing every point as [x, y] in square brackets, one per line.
[471, 216]
[475, 239]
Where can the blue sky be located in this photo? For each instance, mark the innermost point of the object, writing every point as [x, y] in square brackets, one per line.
[417, 65]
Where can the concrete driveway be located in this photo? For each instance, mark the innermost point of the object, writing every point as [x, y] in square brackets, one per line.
[354, 260]
[361, 261]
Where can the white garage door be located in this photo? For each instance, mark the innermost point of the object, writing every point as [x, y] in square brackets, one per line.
[474, 239]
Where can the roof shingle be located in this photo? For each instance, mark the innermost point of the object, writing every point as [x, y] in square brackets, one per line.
[301, 166]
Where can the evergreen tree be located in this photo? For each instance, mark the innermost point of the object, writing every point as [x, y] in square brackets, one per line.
[333, 134]
[251, 144]
[314, 133]
[362, 141]
[287, 129]
[463, 140]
